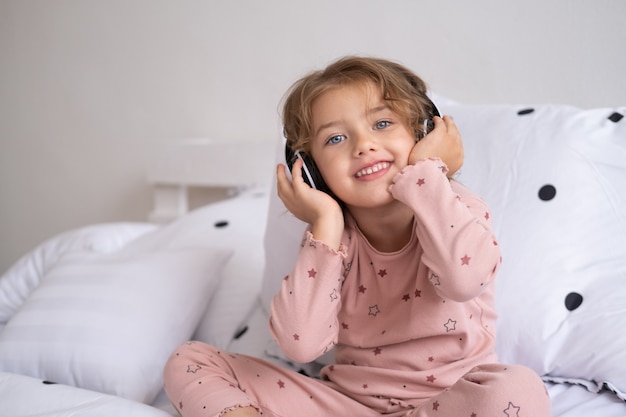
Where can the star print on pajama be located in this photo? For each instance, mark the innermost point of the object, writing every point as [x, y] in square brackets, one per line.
[512, 410]
[450, 325]
[427, 355]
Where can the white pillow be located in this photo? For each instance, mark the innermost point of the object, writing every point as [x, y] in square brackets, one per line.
[557, 249]
[23, 276]
[108, 322]
[236, 223]
[555, 179]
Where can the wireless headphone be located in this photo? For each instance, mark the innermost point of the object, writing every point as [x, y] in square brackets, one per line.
[312, 175]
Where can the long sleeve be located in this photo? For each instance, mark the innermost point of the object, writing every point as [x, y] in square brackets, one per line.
[304, 312]
[454, 228]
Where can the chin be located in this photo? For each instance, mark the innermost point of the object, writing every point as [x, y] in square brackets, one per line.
[372, 201]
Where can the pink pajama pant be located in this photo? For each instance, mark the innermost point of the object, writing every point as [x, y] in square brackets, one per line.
[203, 381]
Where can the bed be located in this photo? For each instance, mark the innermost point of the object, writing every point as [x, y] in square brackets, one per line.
[88, 317]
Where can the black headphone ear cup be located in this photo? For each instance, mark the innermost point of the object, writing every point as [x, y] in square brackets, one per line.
[291, 157]
[428, 123]
[315, 174]
[310, 172]
[434, 111]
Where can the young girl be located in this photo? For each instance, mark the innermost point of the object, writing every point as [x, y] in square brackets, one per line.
[395, 272]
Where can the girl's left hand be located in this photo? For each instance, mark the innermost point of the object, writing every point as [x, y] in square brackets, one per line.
[443, 142]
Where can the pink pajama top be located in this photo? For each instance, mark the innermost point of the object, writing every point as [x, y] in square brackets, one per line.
[405, 325]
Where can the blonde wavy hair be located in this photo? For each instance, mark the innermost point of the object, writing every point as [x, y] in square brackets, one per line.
[404, 92]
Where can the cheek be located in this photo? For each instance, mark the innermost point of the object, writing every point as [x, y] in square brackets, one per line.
[334, 171]
[328, 168]
[325, 160]
[404, 150]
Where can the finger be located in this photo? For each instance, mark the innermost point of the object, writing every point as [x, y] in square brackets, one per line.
[452, 129]
[283, 185]
[298, 183]
[438, 121]
[296, 171]
[448, 121]
[281, 173]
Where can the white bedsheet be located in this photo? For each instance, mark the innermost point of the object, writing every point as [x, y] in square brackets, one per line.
[23, 396]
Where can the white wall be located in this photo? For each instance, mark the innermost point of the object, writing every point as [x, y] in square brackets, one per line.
[87, 87]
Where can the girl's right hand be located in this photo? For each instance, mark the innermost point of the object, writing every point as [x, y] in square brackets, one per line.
[311, 206]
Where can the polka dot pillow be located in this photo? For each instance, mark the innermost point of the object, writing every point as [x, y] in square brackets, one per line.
[555, 179]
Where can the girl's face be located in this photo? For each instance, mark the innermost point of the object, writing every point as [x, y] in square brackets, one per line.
[359, 144]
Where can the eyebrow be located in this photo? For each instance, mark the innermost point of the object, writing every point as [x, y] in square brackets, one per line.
[371, 111]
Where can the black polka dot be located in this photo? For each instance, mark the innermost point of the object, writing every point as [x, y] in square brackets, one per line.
[221, 223]
[616, 117]
[573, 300]
[240, 332]
[524, 112]
[547, 192]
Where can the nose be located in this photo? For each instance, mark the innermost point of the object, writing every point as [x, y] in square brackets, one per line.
[364, 142]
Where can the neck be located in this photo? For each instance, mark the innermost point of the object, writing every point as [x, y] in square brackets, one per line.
[387, 229]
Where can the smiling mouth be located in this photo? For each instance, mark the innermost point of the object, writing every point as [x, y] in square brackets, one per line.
[372, 169]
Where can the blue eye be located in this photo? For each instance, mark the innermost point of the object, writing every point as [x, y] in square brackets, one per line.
[336, 139]
[382, 124]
